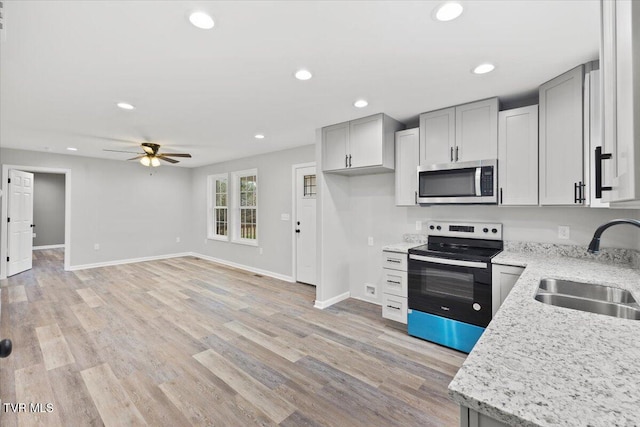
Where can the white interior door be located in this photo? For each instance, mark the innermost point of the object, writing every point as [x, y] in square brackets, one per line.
[305, 225]
[20, 225]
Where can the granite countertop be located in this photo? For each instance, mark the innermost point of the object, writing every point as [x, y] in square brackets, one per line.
[537, 364]
[402, 248]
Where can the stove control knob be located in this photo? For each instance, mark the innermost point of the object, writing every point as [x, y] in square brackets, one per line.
[486, 230]
[439, 228]
[494, 230]
[476, 306]
[431, 227]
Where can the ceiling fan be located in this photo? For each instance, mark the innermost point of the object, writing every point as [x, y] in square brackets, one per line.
[151, 157]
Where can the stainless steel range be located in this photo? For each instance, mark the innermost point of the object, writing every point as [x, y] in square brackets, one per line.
[449, 283]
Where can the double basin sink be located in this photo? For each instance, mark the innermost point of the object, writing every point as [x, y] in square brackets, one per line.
[589, 297]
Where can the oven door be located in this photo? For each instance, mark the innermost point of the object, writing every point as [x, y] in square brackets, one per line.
[458, 290]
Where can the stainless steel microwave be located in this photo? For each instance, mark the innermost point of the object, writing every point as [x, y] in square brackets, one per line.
[459, 183]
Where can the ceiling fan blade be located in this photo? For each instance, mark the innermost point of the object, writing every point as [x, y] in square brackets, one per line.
[176, 154]
[147, 149]
[138, 157]
[166, 159]
[120, 151]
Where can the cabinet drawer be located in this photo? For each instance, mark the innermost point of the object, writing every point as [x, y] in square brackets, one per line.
[394, 282]
[394, 308]
[394, 261]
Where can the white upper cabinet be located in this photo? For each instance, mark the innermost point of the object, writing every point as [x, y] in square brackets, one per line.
[360, 146]
[620, 67]
[561, 140]
[518, 156]
[437, 136]
[407, 158]
[460, 134]
[334, 146]
[477, 131]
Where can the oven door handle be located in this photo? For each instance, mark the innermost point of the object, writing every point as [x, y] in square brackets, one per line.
[447, 261]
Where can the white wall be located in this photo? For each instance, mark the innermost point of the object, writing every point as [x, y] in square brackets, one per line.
[118, 205]
[48, 209]
[274, 198]
[372, 212]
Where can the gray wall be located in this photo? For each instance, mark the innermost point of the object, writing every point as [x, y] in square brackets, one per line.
[274, 198]
[48, 209]
[373, 213]
[118, 205]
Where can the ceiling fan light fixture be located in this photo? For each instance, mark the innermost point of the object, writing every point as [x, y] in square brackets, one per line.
[146, 161]
[155, 162]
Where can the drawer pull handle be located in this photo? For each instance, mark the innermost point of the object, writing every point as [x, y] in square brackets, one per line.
[395, 308]
[394, 282]
[445, 308]
[397, 261]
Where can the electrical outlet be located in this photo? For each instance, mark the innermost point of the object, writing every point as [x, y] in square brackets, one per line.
[206, 241]
[370, 290]
[370, 240]
[177, 240]
[96, 246]
[564, 232]
[418, 225]
[34, 235]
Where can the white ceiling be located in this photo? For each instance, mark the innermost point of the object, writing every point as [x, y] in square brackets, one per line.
[65, 64]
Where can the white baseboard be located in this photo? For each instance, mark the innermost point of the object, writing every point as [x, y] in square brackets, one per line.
[244, 267]
[127, 261]
[326, 303]
[39, 248]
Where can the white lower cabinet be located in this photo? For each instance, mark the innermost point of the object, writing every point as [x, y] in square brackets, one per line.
[472, 418]
[503, 277]
[394, 308]
[394, 286]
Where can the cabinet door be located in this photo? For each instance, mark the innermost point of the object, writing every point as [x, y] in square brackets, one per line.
[366, 141]
[621, 92]
[477, 131]
[437, 136]
[503, 277]
[334, 146]
[561, 138]
[407, 160]
[518, 156]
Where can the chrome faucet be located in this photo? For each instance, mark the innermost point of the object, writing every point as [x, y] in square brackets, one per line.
[594, 246]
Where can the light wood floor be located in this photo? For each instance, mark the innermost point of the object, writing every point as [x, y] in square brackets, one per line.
[189, 342]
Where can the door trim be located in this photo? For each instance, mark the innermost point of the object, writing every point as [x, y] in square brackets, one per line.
[3, 215]
[294, 242]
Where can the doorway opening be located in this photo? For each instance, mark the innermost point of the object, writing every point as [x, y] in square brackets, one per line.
[4, 229]
[304, 223]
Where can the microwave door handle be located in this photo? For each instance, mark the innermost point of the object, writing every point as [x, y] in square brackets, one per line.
[478, 188]
[447, 261]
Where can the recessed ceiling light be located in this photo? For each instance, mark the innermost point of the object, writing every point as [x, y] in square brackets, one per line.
[303, 74]
[259, 136]
[448, 11]
[72, 149]
[125, 106]
[201, 20]
[360, 103]
[484, 68]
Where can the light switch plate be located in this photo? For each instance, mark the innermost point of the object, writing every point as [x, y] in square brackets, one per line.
[285, 217]
[370, 241]
[418, 225]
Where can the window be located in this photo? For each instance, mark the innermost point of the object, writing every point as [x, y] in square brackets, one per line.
[246, 192]
[310, 186]
[218, 221]
[233, 207]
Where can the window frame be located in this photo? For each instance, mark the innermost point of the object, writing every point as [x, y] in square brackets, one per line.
[235, 221]
[211, 207]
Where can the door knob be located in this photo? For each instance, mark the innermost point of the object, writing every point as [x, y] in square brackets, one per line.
[5, 347]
